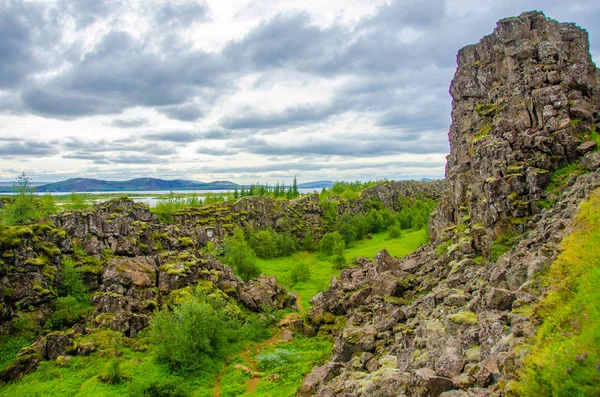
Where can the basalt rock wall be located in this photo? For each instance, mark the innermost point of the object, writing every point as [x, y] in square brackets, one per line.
[525, 101]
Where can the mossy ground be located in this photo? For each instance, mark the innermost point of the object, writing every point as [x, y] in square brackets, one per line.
[565, 355]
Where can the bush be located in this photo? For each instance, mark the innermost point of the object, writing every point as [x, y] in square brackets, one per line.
[394, 231]
[308, 243]
[196, 334]
[113, 374]
[72, 283]
[240, 256]
[189, 337]
[329, 241]
[76, 202]
[287, 243]
[300, 272]
[67, 312]
[264, 245]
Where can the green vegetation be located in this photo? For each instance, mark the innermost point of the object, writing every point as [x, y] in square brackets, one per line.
[321, 269]
[561, 176]
[24, 208]
[239, 255]
[196, 334]
[565, 354]
[73, 304]
[467, 318]
[502, 245]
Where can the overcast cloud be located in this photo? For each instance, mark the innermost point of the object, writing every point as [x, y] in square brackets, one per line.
[240, 90]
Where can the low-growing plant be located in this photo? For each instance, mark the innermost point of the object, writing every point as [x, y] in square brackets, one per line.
[273, 359]
[300, 272]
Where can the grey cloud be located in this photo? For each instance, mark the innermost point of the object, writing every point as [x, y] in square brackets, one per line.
[215, 133]
[178, 14]
[289, 117]
[172, 136]
[128, 123]
[318, 166]
[185, 112]
[121, 73]
[215, 151]
[13, 148]
[20, 25]
[135, 159]
[121, 145]
[287, 41]
[339, 146]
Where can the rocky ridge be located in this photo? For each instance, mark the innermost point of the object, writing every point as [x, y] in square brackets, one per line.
[451, 318]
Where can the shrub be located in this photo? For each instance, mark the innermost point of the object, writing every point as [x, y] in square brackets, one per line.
[264, 245]
[190, 336]
[300, 272]
[68, 311]
[394, 231]
[240, 256]
[329, 241]
[287, 243]
[72, 283]
[76, 202]
[308, 243]
[113, 374]
[196, 334]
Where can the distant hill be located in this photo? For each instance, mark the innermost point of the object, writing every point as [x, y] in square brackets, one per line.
[316, 185]
[138, 184]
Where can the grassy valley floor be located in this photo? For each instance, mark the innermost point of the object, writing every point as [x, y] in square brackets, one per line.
[267, 368]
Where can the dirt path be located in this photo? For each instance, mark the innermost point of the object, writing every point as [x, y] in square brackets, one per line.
[252, 368]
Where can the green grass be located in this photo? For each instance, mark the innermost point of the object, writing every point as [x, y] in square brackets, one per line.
[565, 356]
[81, 377]
[309, 352]
[321, 270]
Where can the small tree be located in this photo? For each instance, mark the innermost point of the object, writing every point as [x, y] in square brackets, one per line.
[308, 243]
[23, 209]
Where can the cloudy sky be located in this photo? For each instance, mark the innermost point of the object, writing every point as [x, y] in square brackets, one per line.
[246, 91]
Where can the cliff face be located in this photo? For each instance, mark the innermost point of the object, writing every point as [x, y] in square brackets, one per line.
[525, 100]
[451, 318]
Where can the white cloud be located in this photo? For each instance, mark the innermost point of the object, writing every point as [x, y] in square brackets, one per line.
[245, 90]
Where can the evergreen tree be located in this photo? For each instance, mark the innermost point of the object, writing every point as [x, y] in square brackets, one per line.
[295, 192]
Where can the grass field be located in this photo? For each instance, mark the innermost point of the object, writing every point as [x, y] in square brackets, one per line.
[321, 270]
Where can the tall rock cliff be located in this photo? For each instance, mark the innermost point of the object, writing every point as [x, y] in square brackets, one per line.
[525, 99]
[451, 319]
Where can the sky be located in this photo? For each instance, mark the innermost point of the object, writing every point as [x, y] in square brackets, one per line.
[245, 91]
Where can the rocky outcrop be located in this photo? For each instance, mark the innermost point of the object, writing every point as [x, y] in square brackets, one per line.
[299, 216]
[450, 319]
[525, 102]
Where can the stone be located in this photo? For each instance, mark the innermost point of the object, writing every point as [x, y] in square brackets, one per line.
[56, 344]
[425, 383]
[592, 161]
[500, 299]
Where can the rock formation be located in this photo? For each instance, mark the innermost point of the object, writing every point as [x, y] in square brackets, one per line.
[449, 318]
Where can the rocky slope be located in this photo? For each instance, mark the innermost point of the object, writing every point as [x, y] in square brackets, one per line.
[450, 319]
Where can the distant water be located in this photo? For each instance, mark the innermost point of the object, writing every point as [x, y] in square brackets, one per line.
[150, 196]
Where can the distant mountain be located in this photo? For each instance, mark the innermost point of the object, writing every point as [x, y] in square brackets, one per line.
[316, 185]
[138, 184]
